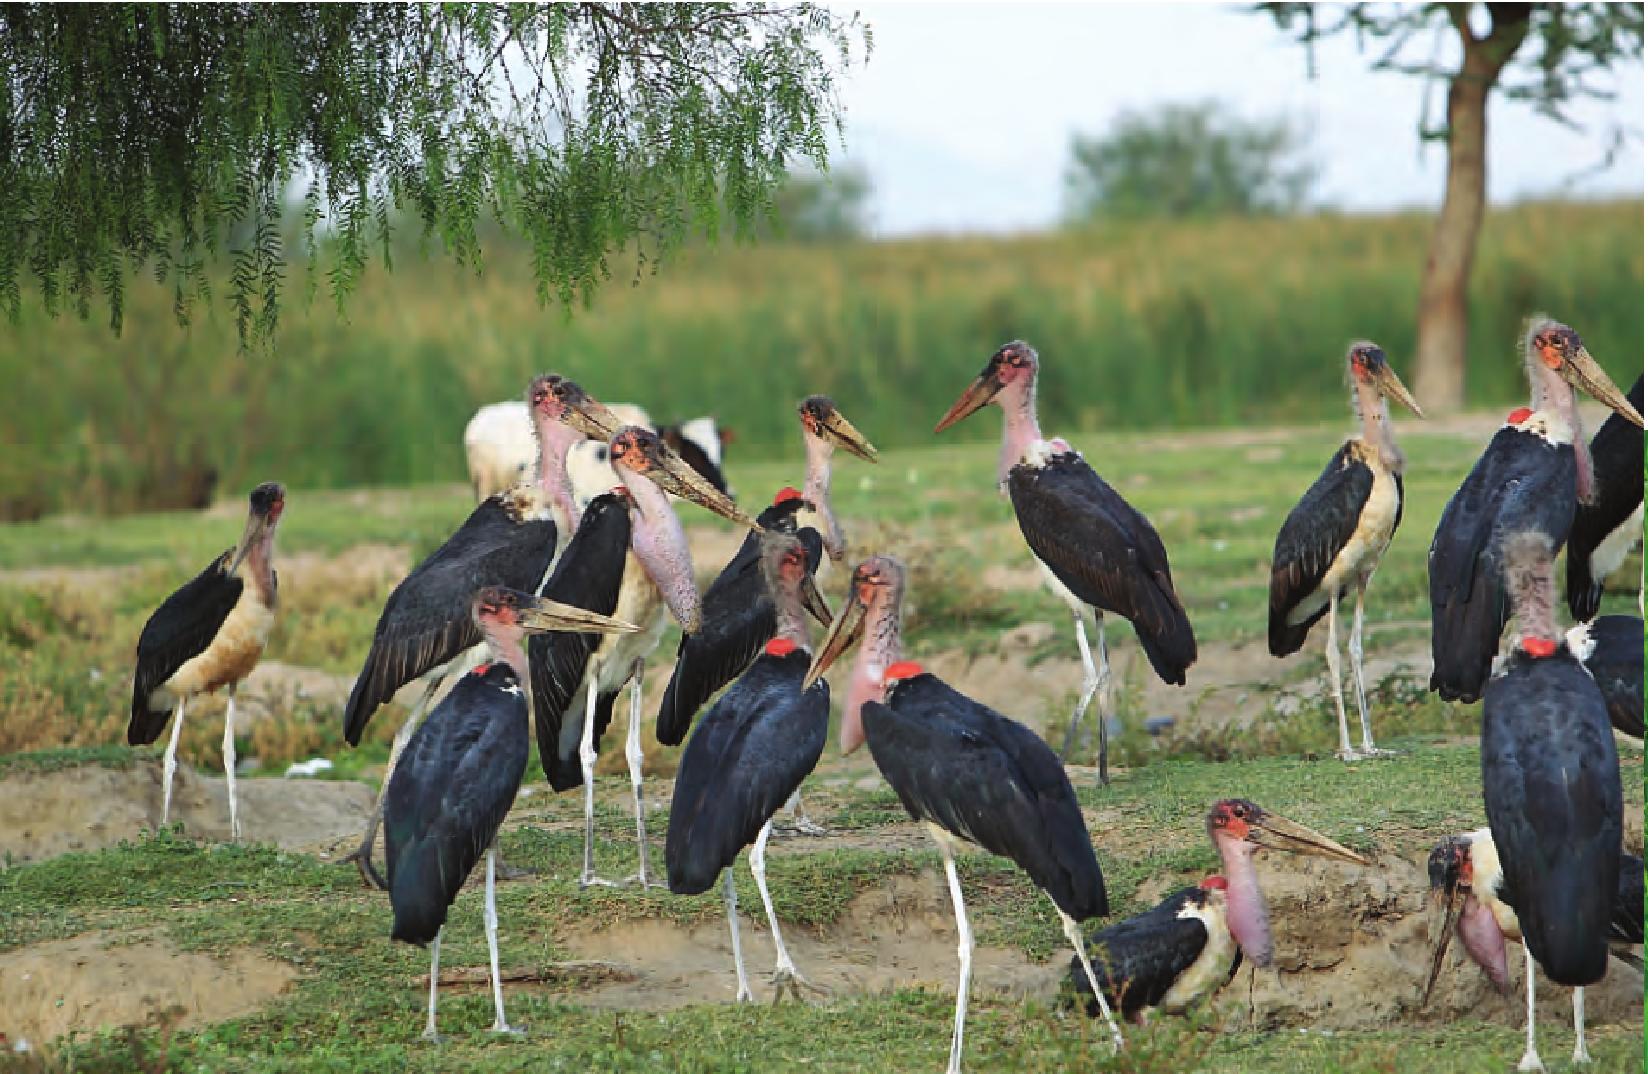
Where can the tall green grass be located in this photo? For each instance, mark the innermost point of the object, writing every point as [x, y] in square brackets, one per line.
[1139, 325]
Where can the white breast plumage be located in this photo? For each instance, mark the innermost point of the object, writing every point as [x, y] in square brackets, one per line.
[1212, 966]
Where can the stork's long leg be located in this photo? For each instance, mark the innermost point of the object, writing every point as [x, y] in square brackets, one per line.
[500, 1025]
[229, 766]
[964, 949]
[586, 759]
[429, 1033]
[1101, 690]
[1368, 748]
[1334, 679]
[1581, 1053]
[731, 894]
[1094, 679]
[169, 767]
[636, 758]
[1530, 1058]
[785, 975]
[362, 854]
[1074, 935]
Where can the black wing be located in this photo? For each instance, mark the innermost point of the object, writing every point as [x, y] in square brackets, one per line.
[1616, 665]
[1104, 552]
[1316, 531]
[588, 576]
[451, 790]
[1627, 920]
[1136, 961]
[738, 617]
[1616, 456]
[988, 779]
[1550, 782]
[427, 620]
[1521, 482]
[179, 630]
[749, 754]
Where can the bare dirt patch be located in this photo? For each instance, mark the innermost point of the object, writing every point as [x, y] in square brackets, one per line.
[44, 814]
[107, 979]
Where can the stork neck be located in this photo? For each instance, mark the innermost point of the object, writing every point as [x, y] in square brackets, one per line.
[1246, 913]
[660, 544]
[555, 439]
[1020, 430]
[816, 490]
[256, 555]
[505, 643]
[1374, 411]
[880, 650]
[792, 614]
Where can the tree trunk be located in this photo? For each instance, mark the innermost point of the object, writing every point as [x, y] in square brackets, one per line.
[1439, 378]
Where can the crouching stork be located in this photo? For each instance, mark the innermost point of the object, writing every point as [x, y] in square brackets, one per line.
[1530, 477]
[749, 755]
[1606, 529]
[967, 772]
[1471, 897]
[1097, 552]
[459, 775]
[207, 635]
[1333, 540]
[1191, 944]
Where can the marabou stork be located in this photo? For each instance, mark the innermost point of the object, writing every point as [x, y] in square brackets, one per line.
[1096, 551]
[1469, 889]
[208, 634]
[1529, 478]
[749, 755]
[1610, 647]
[1335, 536]
[823, 430]
[450, 793]
[966, 771]
[1550, 782]
[1192, 943]
[1605, 531]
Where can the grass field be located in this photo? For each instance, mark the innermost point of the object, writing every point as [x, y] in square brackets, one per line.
[1143, 325]
[74, 591]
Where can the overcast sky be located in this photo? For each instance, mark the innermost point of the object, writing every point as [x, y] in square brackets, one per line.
[964, 113]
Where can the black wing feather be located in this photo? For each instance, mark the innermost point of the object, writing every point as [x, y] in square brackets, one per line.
[179, 630]
[1316, 531]
[1136, 961]
[1106, 553]
[427, 622]
[1616, 458]
[1616, 665]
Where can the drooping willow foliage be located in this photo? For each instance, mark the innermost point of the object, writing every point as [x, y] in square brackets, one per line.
[150, 137]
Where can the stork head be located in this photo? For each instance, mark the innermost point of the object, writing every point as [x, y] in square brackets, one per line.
[1245, 826]
[871, 612]
[784, 566]
[502, 612]
[1368, 368]
[823, 422]
[1010, 374]
[634, 450]
[1558, 348]
[268, 503]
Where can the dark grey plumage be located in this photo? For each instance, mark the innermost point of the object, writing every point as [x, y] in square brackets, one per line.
[1615, 662]
[178, 631]
[1616, 459]
[1138, 960]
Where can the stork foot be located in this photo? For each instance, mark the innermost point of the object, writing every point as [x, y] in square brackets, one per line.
[429, 1036]
[1531, 1063]
[514, 872]
[1375, 752]
[1582, 1057]
[788, 979]
[505, 1029]
[1349, 755]
[804, 826]
[641, 881]
[744, 995]
[590, 880]
[362, 857]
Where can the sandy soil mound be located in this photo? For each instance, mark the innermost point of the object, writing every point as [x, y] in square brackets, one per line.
[43, 814]
[106, 979]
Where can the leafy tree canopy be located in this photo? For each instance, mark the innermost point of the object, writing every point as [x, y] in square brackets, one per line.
[1188, 160]
[148, 136]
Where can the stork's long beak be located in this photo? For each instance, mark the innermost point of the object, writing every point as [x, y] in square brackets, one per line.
[1279, 833]
[814, 601]
[977, 395]
[840, 431]
[673, 475]
[1582, 371]
[543, 616]
[1449, 902]
[843, 632]
[1392, 386]
[590, 416]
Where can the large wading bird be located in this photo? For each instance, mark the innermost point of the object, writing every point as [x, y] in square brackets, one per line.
[970, 774]
[1186, 948]
[458, 777]
[209, 634]
[1607, 529]
[1532, 475]
[1334, 538]
[749, 755]
[1097, 552]
[1469, 891]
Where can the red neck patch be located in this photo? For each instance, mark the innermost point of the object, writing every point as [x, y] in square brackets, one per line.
[904, 669]
[1539, 648]
[780, 647]
[482, 669]
[785, 495]
[1215, 883]
[1518, 416]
